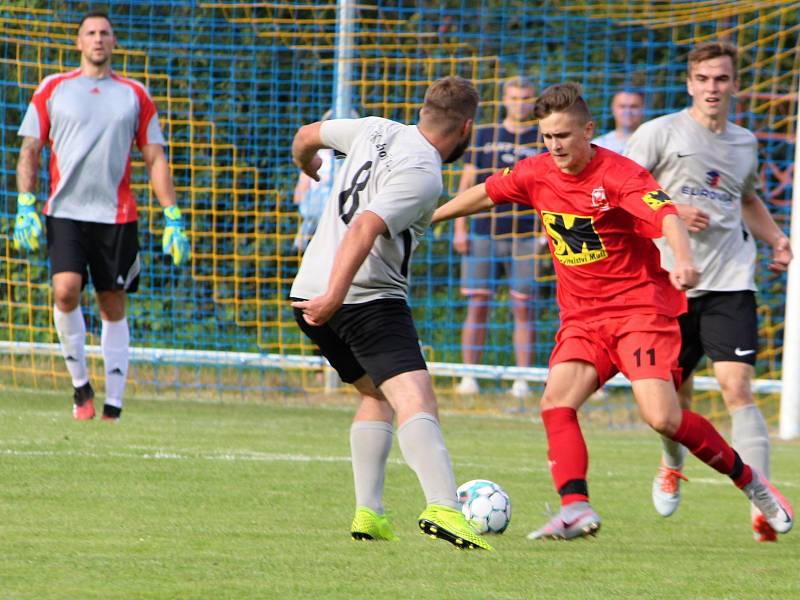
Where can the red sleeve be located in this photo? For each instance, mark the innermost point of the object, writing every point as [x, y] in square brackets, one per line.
[42, 96]
[510, 185]
[641, 196]
[147, 109]
[39, 101]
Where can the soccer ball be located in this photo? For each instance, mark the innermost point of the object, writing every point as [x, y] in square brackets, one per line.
[485, 505]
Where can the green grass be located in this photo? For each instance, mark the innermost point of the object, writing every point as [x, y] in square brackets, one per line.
[200, 500]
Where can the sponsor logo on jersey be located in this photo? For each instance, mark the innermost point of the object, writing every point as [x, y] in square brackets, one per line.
[712, 178]
[376, 139]
[94, 90]
[575, 240]
[719, 195]
[655, 199]
[599, 200]
[507, 171]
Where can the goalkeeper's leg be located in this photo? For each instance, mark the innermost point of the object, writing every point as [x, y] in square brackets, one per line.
[115, 344]
[71, 330]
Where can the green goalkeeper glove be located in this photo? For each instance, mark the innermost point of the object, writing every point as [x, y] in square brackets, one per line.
[27, 225]
[175, 243]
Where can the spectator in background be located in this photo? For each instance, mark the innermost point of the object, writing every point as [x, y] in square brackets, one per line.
[502, 242]
[628, 110]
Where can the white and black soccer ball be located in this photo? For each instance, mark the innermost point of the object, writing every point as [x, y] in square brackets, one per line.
[485, 505]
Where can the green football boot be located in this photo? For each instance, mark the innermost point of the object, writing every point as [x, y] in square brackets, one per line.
[369, 525]
[450, 525]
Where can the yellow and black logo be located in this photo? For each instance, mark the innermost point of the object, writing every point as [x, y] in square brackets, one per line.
[575, 240]
[656, 199]
[506, 171]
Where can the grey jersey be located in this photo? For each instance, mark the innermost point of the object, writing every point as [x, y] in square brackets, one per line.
[91, 124]
[611, 141]
[392, 171]
[713, 172]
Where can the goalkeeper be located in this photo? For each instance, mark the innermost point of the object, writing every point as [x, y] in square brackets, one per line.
[91, 117]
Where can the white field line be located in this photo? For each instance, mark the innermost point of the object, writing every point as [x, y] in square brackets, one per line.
[704, 480]
[157, 454]
[247, 456]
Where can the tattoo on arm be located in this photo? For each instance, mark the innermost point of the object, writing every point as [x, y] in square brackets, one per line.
[28, 164]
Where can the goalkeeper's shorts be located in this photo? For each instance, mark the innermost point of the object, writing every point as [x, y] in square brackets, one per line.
[109, 251]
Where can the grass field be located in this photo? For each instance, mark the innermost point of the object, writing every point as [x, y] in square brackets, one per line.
[201, 500]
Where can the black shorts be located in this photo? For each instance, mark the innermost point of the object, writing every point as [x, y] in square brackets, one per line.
[722, 325]
[109, 250]
[377, 338]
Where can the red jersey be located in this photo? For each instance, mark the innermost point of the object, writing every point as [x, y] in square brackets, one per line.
[601, 224]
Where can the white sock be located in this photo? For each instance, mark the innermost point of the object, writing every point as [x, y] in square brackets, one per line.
[71, 331]
[423, 448]
[370, 443]
[115, 343]
[673, 453]
[750, 437]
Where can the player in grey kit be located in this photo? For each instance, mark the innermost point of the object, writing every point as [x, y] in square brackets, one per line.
[709, 166]
[91, 117]
[350, 295]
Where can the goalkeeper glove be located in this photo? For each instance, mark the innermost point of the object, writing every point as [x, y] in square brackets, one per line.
[175, 243]
[27, 225]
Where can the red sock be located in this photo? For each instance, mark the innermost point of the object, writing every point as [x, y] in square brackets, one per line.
[567, 454]
[705, 442]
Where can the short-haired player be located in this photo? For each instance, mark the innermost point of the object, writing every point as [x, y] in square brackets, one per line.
[350, 295]
[618, 306]
[91, 117]
[709, 166]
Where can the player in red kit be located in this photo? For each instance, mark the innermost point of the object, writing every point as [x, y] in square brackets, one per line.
[618, 307]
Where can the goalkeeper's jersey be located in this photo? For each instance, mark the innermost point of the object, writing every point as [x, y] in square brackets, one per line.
[391, 170]
[714, 172]
[91, 124]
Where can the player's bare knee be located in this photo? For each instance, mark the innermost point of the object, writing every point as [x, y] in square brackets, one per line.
[736, 392]
[367, 389]
[373, 409]
[739, 399]
[666, 424]
[548, 401]
[66, 298]
[112, 313]
[112, 305]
